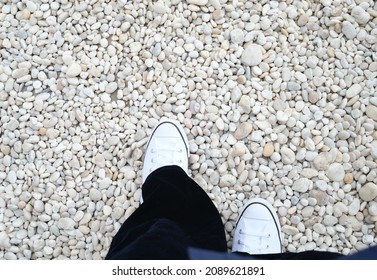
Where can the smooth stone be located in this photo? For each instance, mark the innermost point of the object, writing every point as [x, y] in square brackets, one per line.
[12, 177]
[38, 245]
[290, 230]
[350, 221]
[368, 192]
[135, 47]
[268, 149]
[303, 20]
[354, 207]
[237, 36]
[79, 115]
[372, 208]
[319, 228]
[368, 239]
[113, 140]
[220, 124]
[245, 104]
[287, 155]
[178, 88]
[330, 220]
[105, 183]
[239, 149]
[117, 213]
[320, 162]
[12, 124]
[281, 117]
[99, 160]
[360, 15]
[321, 197]
[198, 2]
[348, 178]
[107, 210]
[19, 73]
[4, 240]
[128, 172]
[21, 234]
[293, 86]
[302, 185]
[85, 219]
[371, 112]
[227, 181]
[256, 136]
[252, 55]
[218, 14]
[309, 173]
[349, 30]
[39, 206]
[160, 8]
[215, 3]
[335, 172]
[111, 87]
[353, 90]
[339, 209]
[243, 130]
[66, 223]
[95, 194]
[73, 70]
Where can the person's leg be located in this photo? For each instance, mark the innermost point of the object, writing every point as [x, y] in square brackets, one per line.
[169, 194]
[258, 234]
[156, 239]
[173, 204]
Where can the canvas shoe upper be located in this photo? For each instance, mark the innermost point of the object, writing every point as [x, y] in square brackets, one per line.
[258, 229]
[167, 145]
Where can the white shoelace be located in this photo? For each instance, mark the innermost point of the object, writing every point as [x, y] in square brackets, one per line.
[161, 160]
[255, 238]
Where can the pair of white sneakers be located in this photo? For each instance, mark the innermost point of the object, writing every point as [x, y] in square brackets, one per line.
[258, 228]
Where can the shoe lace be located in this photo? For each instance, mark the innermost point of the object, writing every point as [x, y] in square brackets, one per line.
[163, 158]
[255, 240]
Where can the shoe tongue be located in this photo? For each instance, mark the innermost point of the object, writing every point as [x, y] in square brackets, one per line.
[255, 226]
[166, 143]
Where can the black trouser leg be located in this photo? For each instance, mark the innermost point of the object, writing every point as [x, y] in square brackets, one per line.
[176, 214]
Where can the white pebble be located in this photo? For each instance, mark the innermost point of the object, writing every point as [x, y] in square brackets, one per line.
[252, 55]
[335, 172]
[73, 70]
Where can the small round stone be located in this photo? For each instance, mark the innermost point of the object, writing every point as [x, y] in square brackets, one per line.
[95, 195]
[335, 172]
[371, 112]
[74, 70]
[66, 224]
[39, 206]
[268, 149]
[252, 55]
[368, 192]
[302, 185]
[237, 36]
[243, 130]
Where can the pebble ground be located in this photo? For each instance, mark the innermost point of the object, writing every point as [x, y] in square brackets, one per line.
[278, 99]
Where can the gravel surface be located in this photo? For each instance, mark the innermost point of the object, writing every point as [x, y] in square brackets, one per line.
[278, 99]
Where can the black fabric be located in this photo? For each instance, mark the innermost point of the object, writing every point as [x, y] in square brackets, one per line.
[175, 201]
[306, 255]
[366, 254]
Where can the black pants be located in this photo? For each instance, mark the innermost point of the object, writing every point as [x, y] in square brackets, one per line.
[177, 214]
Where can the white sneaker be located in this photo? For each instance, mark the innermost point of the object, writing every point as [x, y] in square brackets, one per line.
[167, 145]
[258, 229]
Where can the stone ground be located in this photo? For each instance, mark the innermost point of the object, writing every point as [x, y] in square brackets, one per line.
[278, 99]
